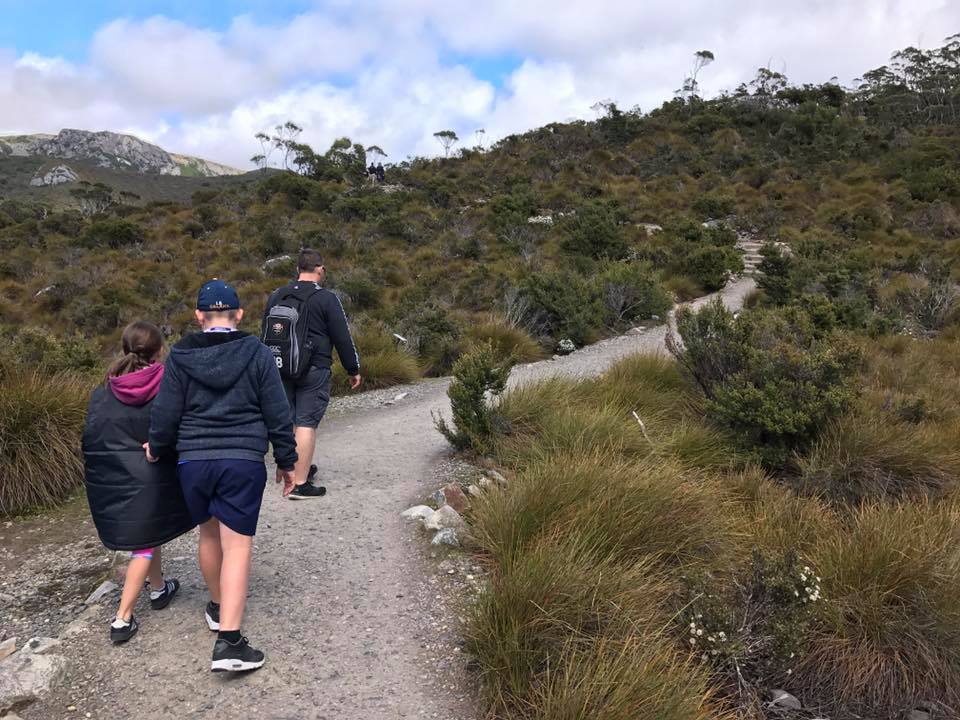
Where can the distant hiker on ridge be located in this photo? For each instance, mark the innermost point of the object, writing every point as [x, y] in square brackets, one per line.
[302, 324]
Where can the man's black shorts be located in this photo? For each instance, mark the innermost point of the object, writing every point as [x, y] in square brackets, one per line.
[309, 396]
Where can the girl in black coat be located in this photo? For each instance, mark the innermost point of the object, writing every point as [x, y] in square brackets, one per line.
[136, 505]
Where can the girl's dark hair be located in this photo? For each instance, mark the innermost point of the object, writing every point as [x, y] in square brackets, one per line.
[141, 344]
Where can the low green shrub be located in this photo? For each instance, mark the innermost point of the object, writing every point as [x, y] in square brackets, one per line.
[564, 305]
[112, 233]
[475, 376]
[710, 266]
[631, 293]
[767, 376]
[41, 418]
[593, 231]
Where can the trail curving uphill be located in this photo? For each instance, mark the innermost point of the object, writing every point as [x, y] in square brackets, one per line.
[358, 621]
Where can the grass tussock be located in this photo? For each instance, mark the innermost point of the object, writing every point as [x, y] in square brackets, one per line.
[892, 580]
[41, 418]
[508, 342]
[869, 456]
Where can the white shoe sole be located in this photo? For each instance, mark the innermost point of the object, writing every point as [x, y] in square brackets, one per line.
[211, 623]
[231, 665]
[303, 497]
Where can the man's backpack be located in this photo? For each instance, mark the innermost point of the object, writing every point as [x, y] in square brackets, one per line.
[285, 330]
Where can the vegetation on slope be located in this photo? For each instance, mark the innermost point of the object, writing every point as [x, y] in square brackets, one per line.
[784, 515]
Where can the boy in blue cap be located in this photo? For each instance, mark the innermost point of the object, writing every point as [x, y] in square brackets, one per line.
[221, 400]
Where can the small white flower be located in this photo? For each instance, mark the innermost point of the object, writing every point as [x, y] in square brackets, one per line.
[699, 633]
[723, 635]
[693, 641]
[693, 625]
[789, 672]
[704, 657]
[797, 593]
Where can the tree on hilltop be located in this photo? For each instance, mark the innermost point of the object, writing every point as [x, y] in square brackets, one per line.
[447, 138]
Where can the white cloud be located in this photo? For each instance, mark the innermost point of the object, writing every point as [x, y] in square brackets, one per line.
[374, 70]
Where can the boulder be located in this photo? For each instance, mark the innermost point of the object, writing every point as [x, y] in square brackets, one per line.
[445, 517]
[473, 490]
[40, 645]
[8, 647]
[439, 499]
[417, 512]
[455, 497]
[25, 677]
[446, 536]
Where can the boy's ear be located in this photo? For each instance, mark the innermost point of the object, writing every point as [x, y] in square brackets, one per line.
[199, 316]
[239, 315]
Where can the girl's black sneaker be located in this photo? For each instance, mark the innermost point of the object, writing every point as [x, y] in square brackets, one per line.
[212, 616]
[235, 657]
[120, 633]
[170, 588]
[307, 491]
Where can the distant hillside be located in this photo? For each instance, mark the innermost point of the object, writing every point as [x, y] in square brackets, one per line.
[112, 150]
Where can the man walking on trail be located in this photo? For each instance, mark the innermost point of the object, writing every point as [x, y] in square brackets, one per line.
[220, 402]
[302, 324]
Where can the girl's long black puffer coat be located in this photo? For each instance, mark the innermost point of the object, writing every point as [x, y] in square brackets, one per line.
[135, 504]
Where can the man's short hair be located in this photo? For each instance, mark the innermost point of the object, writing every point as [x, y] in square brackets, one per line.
[309, 260]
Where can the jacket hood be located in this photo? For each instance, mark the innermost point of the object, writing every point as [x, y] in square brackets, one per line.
[215, 359]
[137, 388]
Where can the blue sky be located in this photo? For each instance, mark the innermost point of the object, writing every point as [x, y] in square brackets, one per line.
[203, 77]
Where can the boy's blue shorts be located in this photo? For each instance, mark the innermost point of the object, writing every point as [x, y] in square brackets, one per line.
[229, 490]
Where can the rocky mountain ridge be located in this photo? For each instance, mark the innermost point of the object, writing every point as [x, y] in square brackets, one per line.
[112, 150]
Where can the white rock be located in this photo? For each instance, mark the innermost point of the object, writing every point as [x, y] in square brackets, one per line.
[8, 647]
[446, 536]
[496, 477]
[24, 677]
[485, 482]
[781, 698]
[55, 176]
[445, 517]
[106, 587]
[400, 396]
[417, 512]
[473, 490]
[40, 645]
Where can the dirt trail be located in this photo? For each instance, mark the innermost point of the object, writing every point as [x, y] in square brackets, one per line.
[357, 616]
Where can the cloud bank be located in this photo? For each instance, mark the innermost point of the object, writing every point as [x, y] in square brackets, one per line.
[393, 73]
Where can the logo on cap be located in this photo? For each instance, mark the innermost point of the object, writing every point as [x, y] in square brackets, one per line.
[277, 328]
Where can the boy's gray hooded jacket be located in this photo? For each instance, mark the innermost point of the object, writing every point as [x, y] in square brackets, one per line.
[222, 398]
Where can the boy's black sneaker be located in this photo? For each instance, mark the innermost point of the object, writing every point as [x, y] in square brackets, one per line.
[170, 588]
[307, 491]
[212, 616]
[121, 634]
[235, 657]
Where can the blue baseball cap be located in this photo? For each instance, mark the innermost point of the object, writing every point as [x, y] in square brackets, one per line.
[216, 296]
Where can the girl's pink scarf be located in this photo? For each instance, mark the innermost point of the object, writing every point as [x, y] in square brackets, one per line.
[138, 388]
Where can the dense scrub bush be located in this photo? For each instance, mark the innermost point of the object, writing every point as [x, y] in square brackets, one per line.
[631, 293]
[563, 305]
[594, 232]
[112, 233]
[41, 417]
[434, 336]
[769, 377]
[710, 266]
[33, 347]
[476, 375]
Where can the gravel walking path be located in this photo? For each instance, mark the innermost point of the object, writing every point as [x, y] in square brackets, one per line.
[357, 615]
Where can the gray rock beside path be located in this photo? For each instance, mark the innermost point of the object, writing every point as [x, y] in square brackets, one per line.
[25, 677]
[446, 536]
[445, 517]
